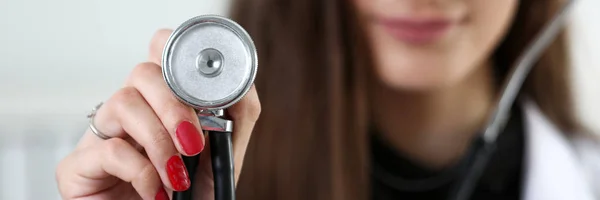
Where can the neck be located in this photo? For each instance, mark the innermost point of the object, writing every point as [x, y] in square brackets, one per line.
[434, 128]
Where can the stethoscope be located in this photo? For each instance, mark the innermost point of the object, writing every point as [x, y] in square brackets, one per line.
[210, 62]
[485, 145]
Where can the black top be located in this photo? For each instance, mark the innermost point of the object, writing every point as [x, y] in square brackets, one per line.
[396, 177]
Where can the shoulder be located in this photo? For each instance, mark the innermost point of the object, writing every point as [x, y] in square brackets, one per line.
[587, 148]
[585, 145]
[554, 157]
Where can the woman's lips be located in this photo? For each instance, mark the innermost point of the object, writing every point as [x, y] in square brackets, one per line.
[417, 31]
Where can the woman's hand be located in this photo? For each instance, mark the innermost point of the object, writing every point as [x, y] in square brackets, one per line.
[150, 130]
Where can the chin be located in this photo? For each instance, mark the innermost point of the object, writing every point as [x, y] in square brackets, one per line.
[418, 76]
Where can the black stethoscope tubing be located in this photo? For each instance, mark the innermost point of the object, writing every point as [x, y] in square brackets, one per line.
[485, 145]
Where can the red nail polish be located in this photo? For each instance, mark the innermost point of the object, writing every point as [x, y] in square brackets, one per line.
[161, 194]
[178, 174]
[189, 138]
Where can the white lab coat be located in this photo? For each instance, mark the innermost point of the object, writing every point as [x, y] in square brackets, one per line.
[558, 167]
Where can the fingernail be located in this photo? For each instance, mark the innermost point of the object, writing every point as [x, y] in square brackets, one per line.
[162, 194]
[178, 174]
[189, 138]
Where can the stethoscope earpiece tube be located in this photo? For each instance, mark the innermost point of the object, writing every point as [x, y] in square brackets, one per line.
[485, 145]
[221, 151]
[482, 153]
[191, 163]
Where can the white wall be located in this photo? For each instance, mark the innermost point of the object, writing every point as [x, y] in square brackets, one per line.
[63, 56]
[59, 58]
[586, 57]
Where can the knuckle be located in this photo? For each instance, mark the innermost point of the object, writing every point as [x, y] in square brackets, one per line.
[114, 146]
[147, 174]
[157, 43]
[144, 70]
[62, 173]
[126, 96]
[65, 165]
[159, 37]
[160, 139]
[254, 109]
[248, 109]
[176, 109]
[172, 108]
[58, 172]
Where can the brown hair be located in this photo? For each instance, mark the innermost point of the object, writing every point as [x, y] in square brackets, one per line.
[310, 142]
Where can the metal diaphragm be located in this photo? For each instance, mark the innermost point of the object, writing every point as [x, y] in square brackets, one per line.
[209, 62]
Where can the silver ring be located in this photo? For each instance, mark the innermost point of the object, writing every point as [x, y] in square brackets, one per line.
[93, 127]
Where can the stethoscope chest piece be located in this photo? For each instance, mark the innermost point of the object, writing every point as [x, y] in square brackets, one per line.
[209, 62]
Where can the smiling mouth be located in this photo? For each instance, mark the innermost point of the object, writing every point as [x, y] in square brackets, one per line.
[416, 31]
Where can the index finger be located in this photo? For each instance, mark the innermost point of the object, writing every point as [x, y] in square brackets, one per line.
[157, 45]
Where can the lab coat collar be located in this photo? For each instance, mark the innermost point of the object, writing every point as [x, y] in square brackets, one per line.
[552, 170]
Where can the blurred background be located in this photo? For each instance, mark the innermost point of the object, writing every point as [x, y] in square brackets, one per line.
[60, 58]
